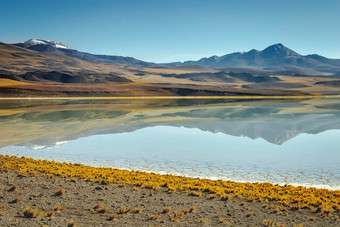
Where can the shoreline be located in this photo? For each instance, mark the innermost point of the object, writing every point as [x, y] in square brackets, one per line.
[41, 171]
[245, 203]
[171, 97]
[151, 180]
[92, 164]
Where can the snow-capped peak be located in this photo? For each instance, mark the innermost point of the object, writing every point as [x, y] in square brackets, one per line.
[55, 44]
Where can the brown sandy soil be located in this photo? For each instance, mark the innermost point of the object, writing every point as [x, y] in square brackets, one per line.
[80, 197]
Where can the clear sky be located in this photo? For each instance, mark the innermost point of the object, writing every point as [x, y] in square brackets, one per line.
[175, 30]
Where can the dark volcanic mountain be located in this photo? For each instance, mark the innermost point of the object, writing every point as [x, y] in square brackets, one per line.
[48, 46]
[273, 57]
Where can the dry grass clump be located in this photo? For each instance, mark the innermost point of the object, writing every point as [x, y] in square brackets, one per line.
[193, 209]
[103, 210]
[49, 213]
[195, 193]
[99, 208]
[135, 188]
[138, 210]
[2, 207]
[13, 188]
[166, 210]
[16, 200]
[154, 217]
[185, 211]
[324, 210]
[224, 220]
[124, 210]
[203, 220]
[213, 196]
[59, 208]
[71, 223]
[60, 192]
[31, 212]
[113, 216]
[176, 216]
[268, 222]
[249, 214]
[225, 197]
[171, 189]
[312, 218]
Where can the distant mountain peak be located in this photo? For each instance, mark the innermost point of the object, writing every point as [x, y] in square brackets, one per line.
[278, 45]
[55, 44]
[278, 50]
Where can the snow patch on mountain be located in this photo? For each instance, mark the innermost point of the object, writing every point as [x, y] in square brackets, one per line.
[55, 44]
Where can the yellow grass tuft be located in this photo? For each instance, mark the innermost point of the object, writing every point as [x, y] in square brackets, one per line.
[195, 193]
[71, 223]
[113, 216]
[59, 208]
[99, 208]
[49, 213]
[103, 210]
[250, 213]
[224, 220]
[213, 196]
[123, 210]
[138, 210]
[312, 218]
[193, 209]
[203, 220]
[135, 188]
[268, 222]
[31, 212]
[177, 216]
[185, 211]
[154, 217]
[166, 210]
[2, 207]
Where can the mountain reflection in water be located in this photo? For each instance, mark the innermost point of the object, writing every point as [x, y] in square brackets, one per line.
[47, 123]
[281, 141]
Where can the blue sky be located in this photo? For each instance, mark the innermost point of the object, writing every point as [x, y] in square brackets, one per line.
[175, 30]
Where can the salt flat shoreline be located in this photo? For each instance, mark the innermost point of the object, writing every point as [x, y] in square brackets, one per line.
[238, 204]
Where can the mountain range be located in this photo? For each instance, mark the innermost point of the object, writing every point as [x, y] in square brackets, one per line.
[45, 67]
[276, 57]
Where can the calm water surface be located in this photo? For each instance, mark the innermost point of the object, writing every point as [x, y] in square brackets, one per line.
[281, 141]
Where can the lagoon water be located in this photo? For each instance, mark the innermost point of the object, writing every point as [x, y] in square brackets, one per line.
[280, 141]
